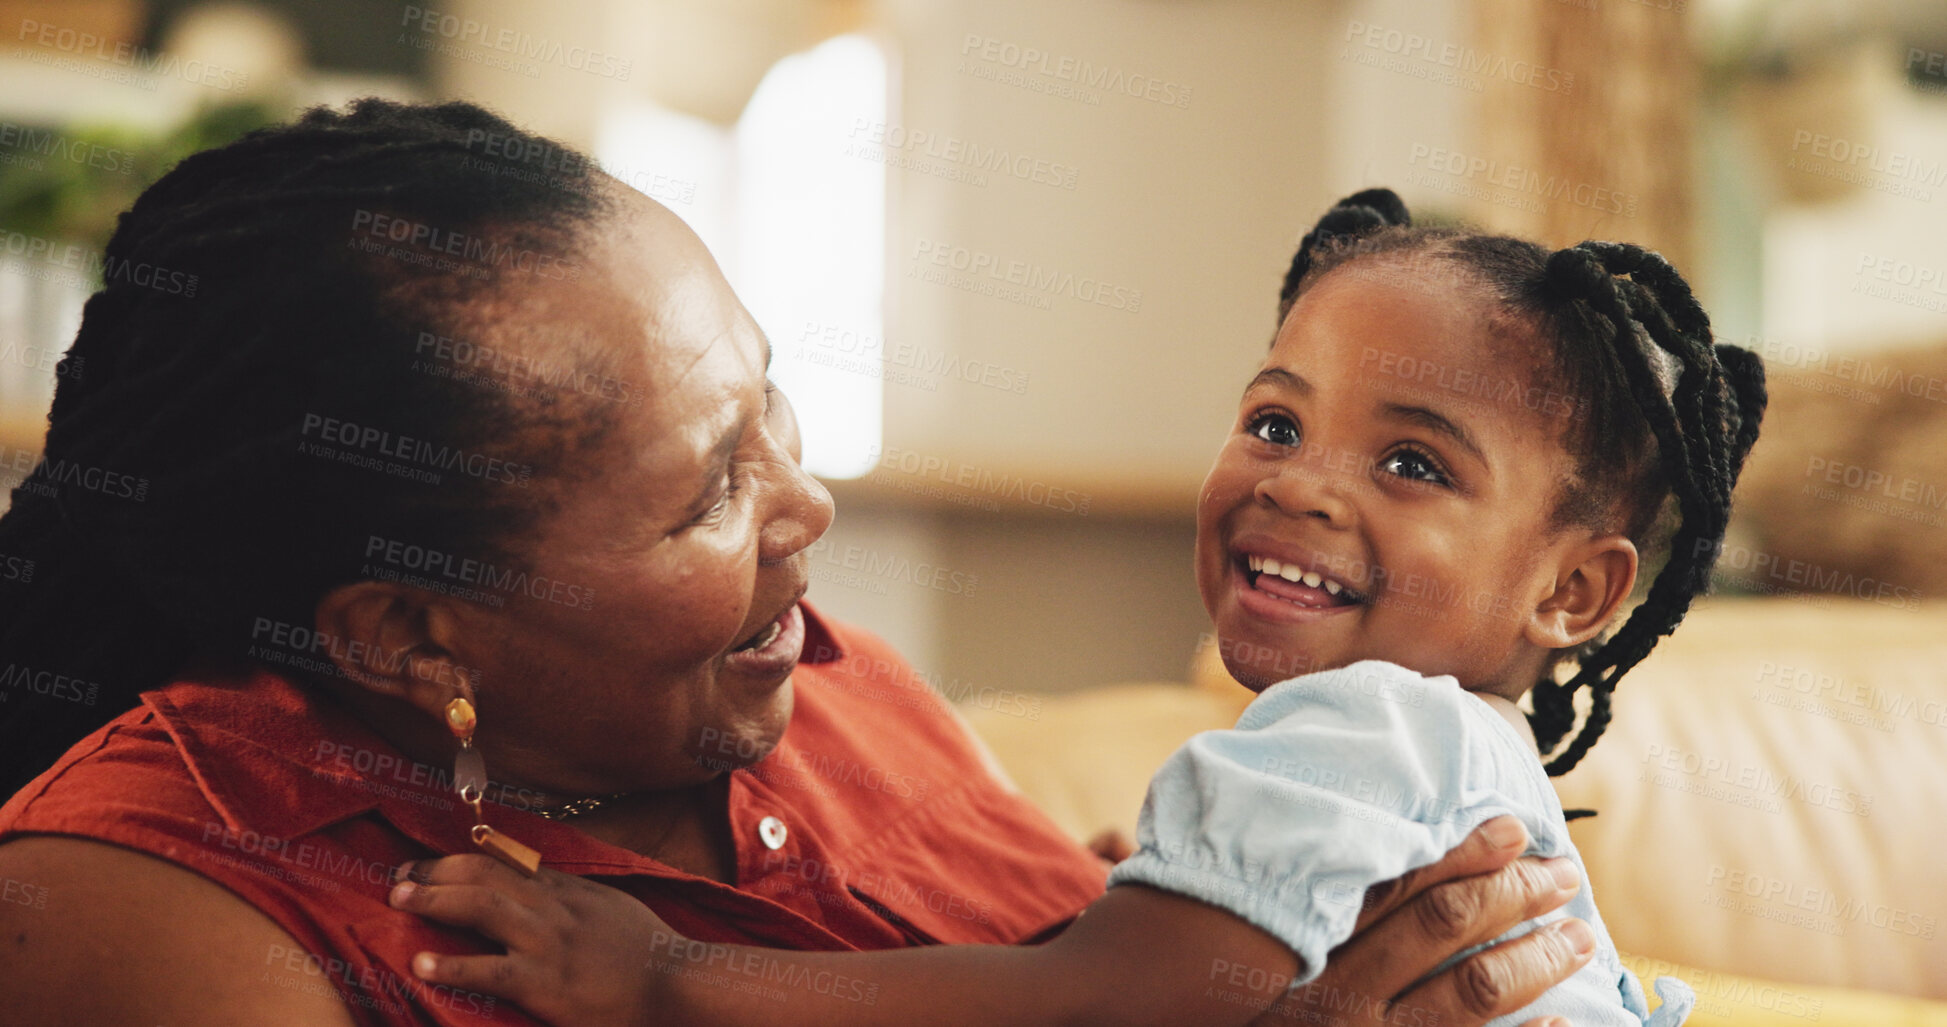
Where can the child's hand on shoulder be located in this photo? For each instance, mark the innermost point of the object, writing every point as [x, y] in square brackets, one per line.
[578, 952]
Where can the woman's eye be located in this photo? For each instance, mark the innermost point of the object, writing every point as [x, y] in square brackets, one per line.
[1414, 465]
[1276, 429]
[714, 513]
[721, 506]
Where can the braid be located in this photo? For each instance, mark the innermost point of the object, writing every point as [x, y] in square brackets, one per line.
[1664, 413]
[1359, 214]
[1703, 431]
[196, 396]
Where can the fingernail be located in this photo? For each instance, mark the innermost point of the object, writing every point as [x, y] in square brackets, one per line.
[401, 893]
[401, 872]
[1566, 876]
[424, 964]
[1579, 937]
[1505, 832]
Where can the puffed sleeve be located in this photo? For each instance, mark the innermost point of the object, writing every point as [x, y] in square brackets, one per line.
[1329, 784]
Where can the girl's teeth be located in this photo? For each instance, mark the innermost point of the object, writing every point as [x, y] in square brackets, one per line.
[1291, 573]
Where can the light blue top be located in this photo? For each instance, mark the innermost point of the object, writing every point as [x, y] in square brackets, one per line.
[1336, 781]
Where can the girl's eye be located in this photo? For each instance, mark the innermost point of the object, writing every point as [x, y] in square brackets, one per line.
[1274, 428]
[1414, 465]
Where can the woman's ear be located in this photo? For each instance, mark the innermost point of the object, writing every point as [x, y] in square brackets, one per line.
[393, 641]
[1592, 580]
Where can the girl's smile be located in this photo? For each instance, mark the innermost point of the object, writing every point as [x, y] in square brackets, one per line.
[1277, 582]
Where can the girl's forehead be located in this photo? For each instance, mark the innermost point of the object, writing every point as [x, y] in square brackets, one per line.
[1374, 310]
[1435, 339]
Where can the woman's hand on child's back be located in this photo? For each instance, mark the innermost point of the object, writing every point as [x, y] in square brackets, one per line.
[1412, 924]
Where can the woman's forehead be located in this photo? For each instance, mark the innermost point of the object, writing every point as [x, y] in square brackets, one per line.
[654, 259]
[646, 299]
[648, 341]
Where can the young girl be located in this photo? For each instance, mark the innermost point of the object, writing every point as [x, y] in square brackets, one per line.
[1439, 487]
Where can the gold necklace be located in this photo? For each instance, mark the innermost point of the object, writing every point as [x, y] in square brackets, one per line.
[576, 807]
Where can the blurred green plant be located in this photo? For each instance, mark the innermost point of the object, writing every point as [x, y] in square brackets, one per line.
[74, 196]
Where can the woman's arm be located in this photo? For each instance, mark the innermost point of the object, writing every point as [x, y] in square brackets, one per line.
[582, 953]
[115, 937]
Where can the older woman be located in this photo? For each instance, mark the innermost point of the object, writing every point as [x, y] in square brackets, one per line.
[459, 516]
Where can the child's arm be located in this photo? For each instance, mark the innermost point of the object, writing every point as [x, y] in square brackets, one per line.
[580, 953]
[1138, 956]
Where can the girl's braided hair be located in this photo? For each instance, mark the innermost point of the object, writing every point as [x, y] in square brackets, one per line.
[1658, 411]
[182, 502]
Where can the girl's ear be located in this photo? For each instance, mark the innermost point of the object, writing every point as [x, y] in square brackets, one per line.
[1592, 581]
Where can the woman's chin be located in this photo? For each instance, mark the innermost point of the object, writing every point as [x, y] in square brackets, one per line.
[747, 738]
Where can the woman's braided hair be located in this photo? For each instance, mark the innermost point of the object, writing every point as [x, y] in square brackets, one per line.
[198, 404]
[1658, 412]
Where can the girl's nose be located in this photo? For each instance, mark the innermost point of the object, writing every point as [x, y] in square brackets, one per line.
[1310, 487]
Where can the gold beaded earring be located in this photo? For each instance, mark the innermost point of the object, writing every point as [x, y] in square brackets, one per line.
[470, 778]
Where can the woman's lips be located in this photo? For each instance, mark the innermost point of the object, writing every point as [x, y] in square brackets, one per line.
[1275, 599]
[778, 655]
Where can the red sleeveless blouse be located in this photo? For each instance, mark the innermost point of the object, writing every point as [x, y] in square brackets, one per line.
[875, 823]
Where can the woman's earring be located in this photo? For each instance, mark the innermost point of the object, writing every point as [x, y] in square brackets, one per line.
[470, 778]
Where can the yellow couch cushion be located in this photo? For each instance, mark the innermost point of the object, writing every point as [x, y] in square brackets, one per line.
[1087, 758]
[1773, 796]
[1727, 1000]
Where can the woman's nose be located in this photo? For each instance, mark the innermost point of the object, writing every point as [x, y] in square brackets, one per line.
[802, 512]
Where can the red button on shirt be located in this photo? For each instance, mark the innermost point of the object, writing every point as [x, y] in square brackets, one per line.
[874, 824]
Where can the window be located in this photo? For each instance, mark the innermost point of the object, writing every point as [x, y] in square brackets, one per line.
[798, 225]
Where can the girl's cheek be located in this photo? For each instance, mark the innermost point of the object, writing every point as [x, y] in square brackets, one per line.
[1233, 476]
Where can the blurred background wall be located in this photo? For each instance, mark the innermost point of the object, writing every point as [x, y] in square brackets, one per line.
[1018, 258]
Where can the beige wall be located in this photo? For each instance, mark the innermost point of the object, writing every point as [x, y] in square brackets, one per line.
[983, 604]
[1191, 211]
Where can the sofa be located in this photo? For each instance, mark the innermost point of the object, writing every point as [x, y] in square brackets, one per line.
[1771, 797]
